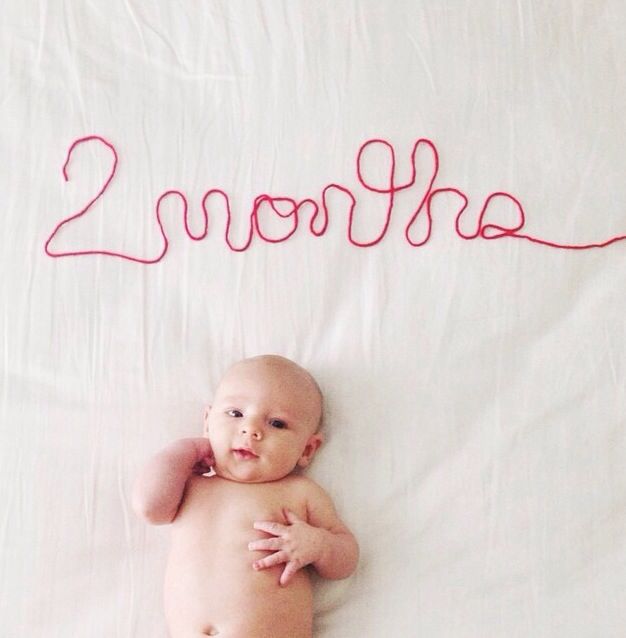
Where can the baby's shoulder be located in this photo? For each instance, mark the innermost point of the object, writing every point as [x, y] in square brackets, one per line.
[306, 488]
[319, 506]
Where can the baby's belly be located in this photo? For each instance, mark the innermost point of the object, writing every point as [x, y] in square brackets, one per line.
[213, 590]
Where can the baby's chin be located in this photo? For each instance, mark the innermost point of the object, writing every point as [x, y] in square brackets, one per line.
[246, 475]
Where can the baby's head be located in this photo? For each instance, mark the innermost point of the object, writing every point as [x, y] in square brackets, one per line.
[264, 420]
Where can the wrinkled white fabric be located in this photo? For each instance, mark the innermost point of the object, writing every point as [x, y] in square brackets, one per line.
[475, 390]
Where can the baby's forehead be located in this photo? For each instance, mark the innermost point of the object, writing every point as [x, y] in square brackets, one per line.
[267, 369]
[261, 378]
[278, 379]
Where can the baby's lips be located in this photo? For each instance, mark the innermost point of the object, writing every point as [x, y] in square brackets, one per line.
[246, 453]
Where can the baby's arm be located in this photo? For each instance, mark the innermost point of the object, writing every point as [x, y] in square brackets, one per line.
[340, 551]
[158, 491]
[322, 541]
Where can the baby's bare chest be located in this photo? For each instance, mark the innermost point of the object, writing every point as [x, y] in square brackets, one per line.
[216, 520]
[210, 571]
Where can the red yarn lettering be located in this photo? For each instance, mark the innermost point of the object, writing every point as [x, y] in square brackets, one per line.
[293, 209]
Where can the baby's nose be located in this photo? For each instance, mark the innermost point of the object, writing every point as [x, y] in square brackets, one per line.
[252, 429]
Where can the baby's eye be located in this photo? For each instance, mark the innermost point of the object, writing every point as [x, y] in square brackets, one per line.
[235, 413]
[277, 423]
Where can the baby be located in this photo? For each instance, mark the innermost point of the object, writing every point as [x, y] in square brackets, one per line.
[244, 538]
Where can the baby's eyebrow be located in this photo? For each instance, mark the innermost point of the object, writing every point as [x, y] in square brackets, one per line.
[232, 399]
[283, 414]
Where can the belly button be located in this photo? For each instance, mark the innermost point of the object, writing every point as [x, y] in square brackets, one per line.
[211, 631]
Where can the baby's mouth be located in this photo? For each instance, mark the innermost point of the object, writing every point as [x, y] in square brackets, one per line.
[244, 454]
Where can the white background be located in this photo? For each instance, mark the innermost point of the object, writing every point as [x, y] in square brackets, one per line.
[475, 389]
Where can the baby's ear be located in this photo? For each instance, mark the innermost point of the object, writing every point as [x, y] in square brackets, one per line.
[311, 447]
[205, 419]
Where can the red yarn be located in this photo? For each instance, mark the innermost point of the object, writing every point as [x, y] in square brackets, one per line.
[486, 231]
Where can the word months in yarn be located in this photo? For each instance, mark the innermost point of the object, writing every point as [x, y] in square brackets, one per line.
[291, 209]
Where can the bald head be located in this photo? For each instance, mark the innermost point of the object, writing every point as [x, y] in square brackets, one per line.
[293, 377]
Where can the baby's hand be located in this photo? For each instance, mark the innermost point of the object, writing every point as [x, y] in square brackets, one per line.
[297, 544]
[205, 459]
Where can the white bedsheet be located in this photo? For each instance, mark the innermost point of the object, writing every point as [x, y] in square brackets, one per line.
[475, 388]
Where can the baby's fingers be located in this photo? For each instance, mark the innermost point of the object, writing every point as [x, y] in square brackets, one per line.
[266, 544]
[290, 569]
[270, 527]
[201, 467]
[270, 561]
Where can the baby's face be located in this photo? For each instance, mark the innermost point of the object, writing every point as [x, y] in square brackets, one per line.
[262, 421]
